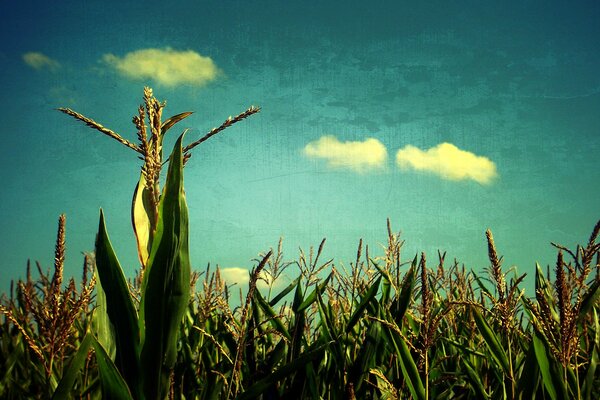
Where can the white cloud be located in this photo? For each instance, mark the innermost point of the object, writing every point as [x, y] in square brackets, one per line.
[40, 61]
[449, 162]
[241, 277]
[357, 156]
[166, 66]
[235, 275]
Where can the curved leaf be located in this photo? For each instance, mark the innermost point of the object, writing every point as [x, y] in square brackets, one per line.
[119, 308]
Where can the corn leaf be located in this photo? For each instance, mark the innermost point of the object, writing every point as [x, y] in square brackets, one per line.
[101, 326]
[275, 320]
[112, 383]
[475, 379]
[410, 372]
[589, 300]
[173, 120]
[313, 295]
[119, 307]
[542, 356]
[403, 299]
[528, 382]
[491, 340]
[284, 292]
[282, 372]
[73, 371]
[166, 286]
[143, 219]
[589, 383]
[369, 296]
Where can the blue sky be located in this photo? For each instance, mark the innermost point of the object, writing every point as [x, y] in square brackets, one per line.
[447, 118]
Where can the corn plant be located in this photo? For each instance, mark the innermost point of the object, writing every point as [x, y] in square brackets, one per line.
[148, 336]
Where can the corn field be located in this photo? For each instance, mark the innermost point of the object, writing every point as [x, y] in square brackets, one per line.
[384, 326]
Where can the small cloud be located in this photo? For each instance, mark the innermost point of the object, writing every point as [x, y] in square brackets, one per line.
[166, 66]
[241, 277]
[449, 162]
[235, 275]
[357, 156]
[40, 61]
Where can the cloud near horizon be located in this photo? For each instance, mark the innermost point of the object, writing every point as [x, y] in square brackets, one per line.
[39, 61]
[166, 66]
[449, 162]
[241, 277]
[357, 156]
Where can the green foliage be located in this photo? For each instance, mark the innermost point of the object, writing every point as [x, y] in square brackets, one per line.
[385, 328]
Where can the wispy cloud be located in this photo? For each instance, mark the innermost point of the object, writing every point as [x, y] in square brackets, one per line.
[357, 156]
[449, 162]
[165, 66]
[40, 61]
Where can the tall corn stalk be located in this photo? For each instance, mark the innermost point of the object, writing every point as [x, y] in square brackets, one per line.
[146, 340]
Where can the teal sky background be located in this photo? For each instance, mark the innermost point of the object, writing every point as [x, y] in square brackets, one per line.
[515, 82]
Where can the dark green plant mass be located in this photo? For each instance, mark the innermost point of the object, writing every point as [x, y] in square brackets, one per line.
[380, 328]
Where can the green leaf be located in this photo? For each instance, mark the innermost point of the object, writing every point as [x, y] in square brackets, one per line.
[166, 284]
[589, 300]
[541, 354]
[273, 318]
[119, 308]
[528, 382]
[284, 292]
[313, 295]
[369, 296]
[403, 299]
[482, 287]
[410, 372]
[475, 379]
[173, 120]
[101, 326]
[589, 383]
[112, 383]
[282, 372]
[492, 341]
[298, 297]
[73, 371]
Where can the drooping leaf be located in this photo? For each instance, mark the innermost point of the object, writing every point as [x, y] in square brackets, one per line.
[167, 124]
[273, 317]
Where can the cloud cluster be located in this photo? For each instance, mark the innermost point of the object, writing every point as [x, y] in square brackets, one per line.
[40, 61]
[357, 156]
[165, 66]
[447, 161]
